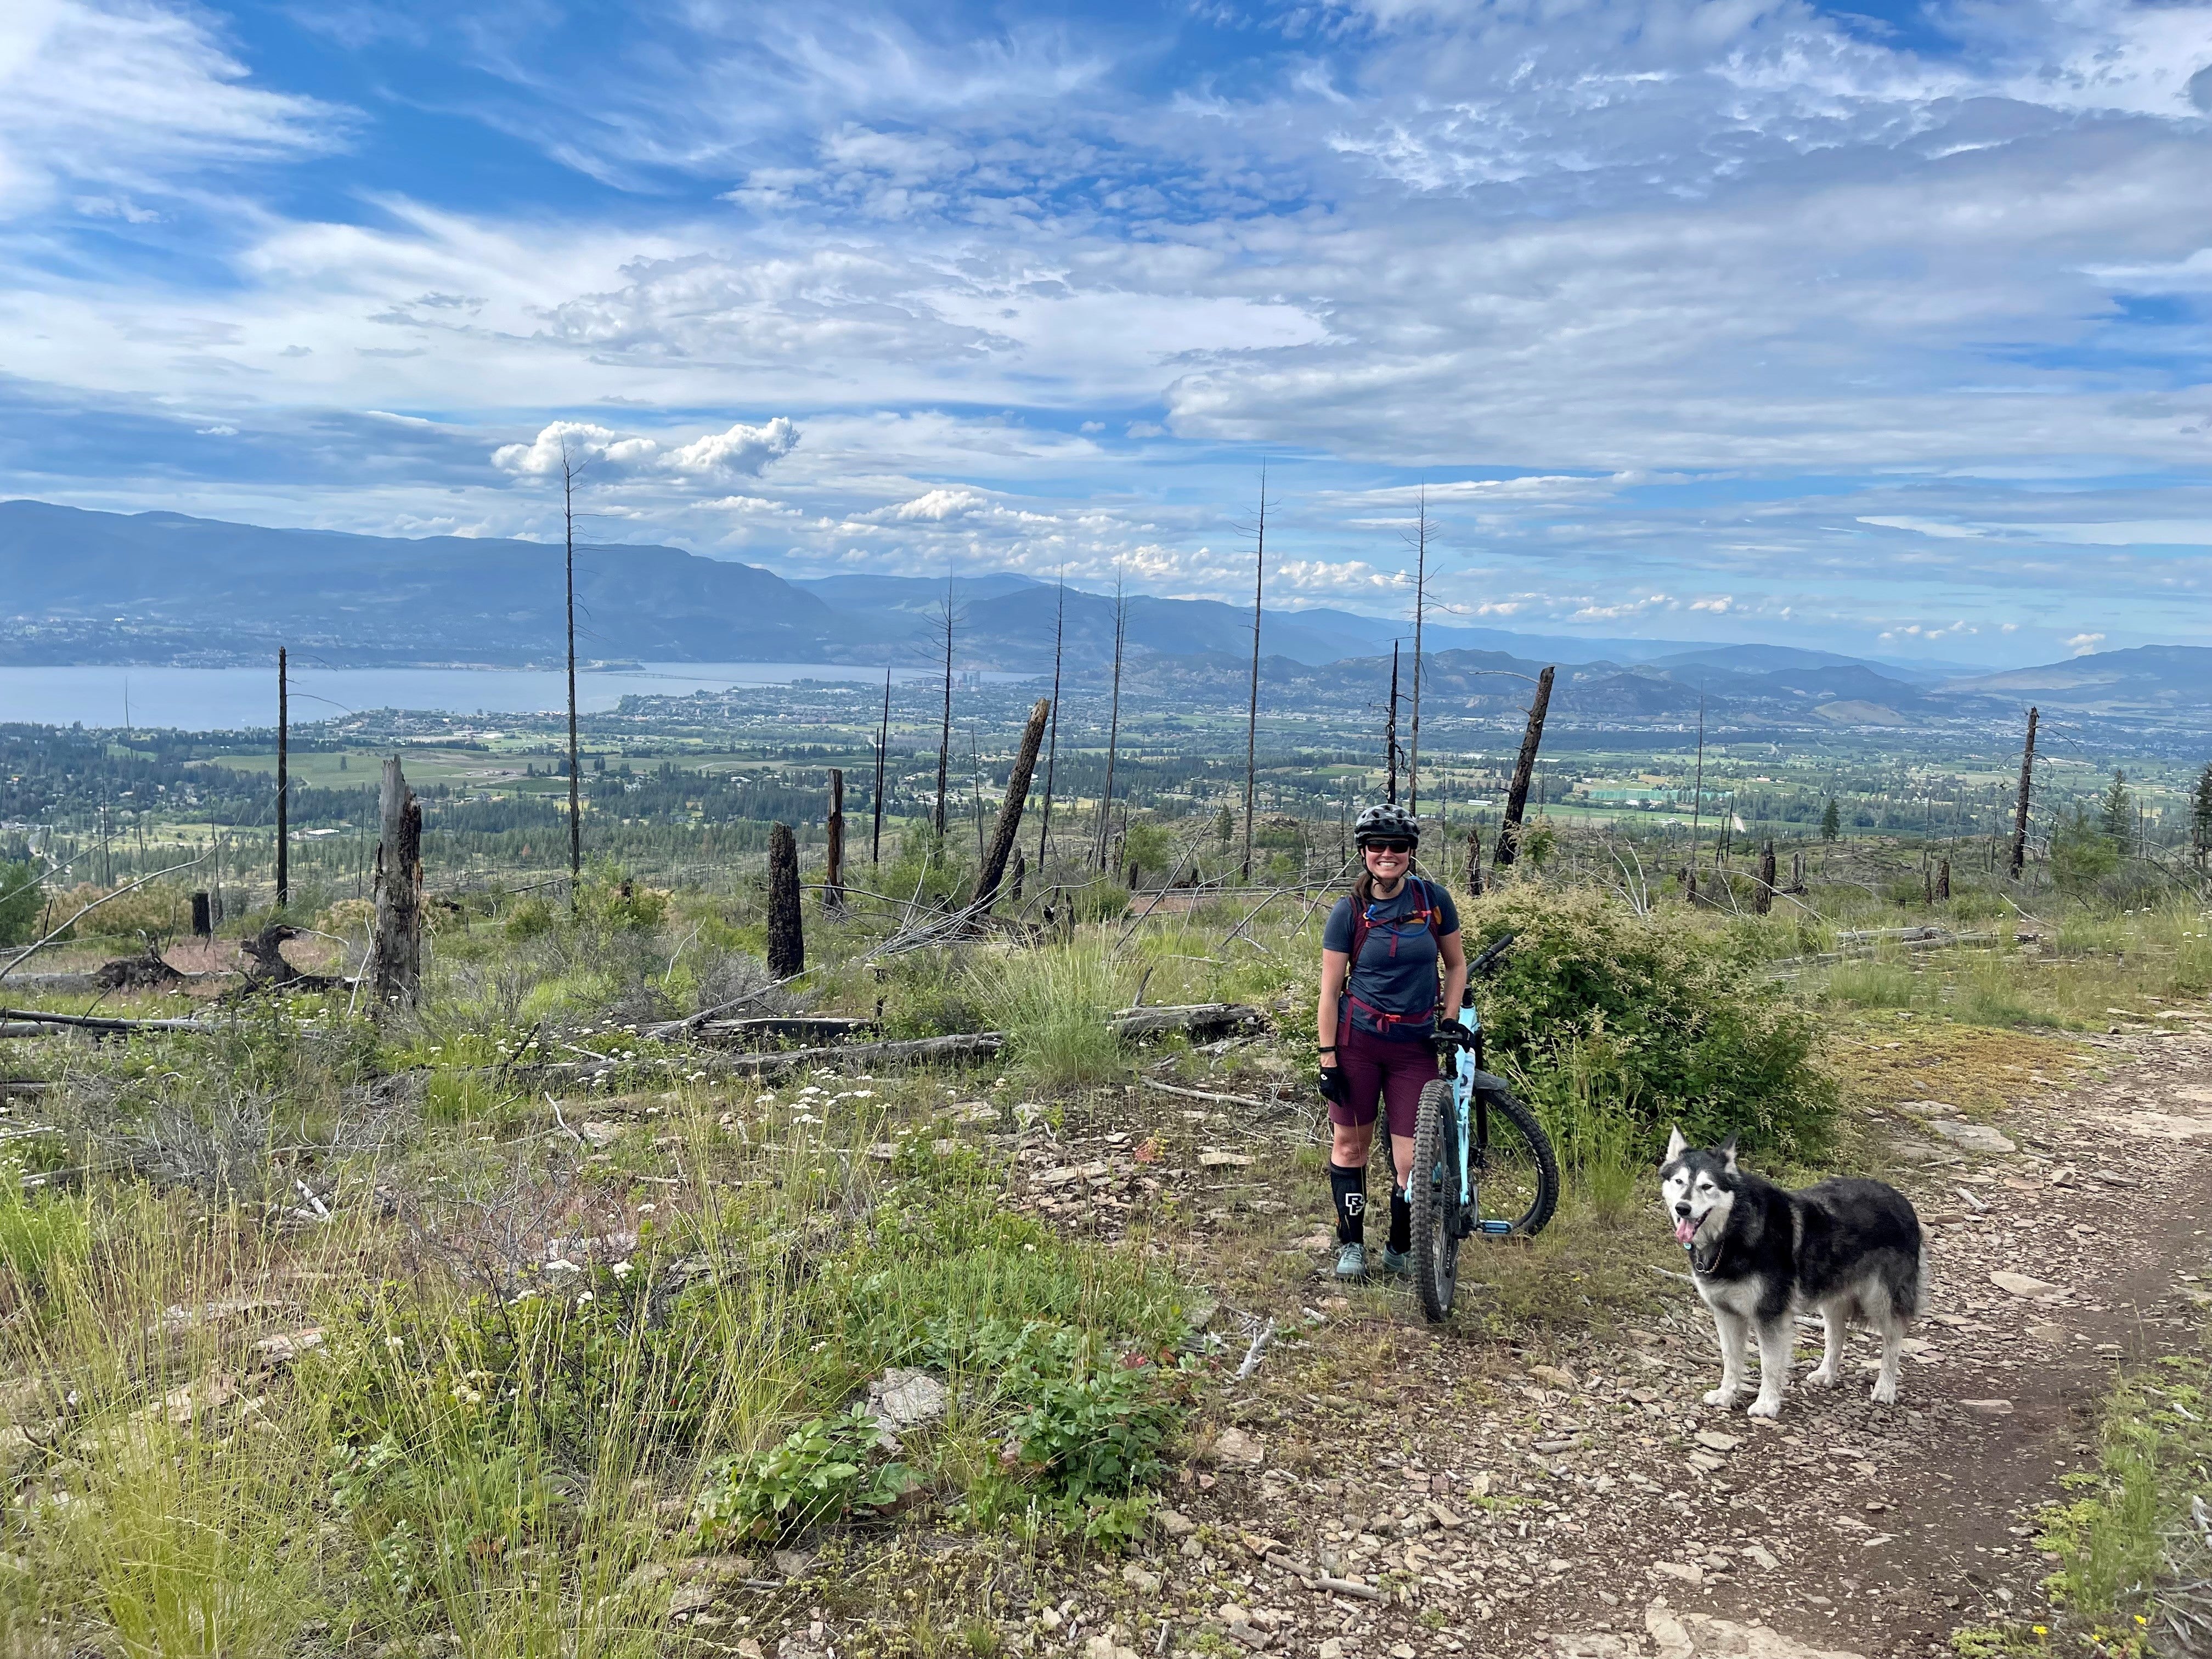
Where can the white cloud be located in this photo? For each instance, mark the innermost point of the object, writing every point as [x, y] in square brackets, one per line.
[741, 452]
[938, 505]
[2084, 645]
[751, 504]
[134, 95]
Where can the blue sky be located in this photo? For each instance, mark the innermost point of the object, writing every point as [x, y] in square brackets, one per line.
[1877, 328]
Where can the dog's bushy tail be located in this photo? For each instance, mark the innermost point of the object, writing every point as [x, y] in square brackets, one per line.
[1909, 1295]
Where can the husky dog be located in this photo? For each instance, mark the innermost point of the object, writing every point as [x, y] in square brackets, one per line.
[1848, 1248]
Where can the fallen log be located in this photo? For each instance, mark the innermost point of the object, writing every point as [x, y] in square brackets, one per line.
[100, 1022]
[750, 1033]
[1197, 1019]
[965, 1045]
[1209, 1094]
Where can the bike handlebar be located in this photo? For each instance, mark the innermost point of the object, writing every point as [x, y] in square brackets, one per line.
[1491, 958]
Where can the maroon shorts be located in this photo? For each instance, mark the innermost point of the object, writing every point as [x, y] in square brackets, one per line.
[1378, 1066]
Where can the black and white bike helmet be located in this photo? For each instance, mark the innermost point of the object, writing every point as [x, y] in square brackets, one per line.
[1388, 822]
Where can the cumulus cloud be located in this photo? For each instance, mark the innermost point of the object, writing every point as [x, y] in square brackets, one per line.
[741, 452]
[2084, 645]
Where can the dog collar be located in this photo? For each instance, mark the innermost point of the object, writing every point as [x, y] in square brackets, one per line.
[1690, 1249]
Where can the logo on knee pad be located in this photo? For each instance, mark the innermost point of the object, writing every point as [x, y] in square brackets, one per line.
[1355, 1203]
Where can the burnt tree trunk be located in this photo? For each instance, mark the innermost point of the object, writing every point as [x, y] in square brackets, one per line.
[1474, 863]
[398, 977]
[2020, 811]
[833, 874]
[1763, 901]
[1517, 799]
[283, 784]
[1689, 884]
[202, 917]
[1010, 810]
[786, 936]
[1943, 880]
[1014, 877]
[1797, 872]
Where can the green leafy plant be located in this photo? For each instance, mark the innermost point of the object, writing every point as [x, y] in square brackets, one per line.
[821, 1470]
[21, 899]
[39, 1236]
[1692, 1033]
[2083, 854]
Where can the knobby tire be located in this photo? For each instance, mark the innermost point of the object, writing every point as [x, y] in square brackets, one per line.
[1435, 1200]
[1517, 1159]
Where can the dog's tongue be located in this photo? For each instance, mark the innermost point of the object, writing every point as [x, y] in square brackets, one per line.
[1685, 1231]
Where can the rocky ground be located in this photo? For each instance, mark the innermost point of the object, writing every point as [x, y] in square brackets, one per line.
[1386, 1487]
[1507, 1486]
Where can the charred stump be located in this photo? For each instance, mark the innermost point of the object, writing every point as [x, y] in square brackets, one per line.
[397, 977]
[786, 935]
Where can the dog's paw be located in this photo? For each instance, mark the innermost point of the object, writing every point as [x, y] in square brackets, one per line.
[1885, 1391]
[1763, 1407]
[1723, 1398]
[1821, 1377]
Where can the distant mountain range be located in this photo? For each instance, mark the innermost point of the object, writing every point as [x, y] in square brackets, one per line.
[88, 586]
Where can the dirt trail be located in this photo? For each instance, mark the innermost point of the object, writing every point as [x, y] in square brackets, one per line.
[1625, 1518]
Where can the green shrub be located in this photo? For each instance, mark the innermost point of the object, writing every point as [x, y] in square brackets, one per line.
[1148, 846]
[1097, 1430]
[1685, 1025]
[22, 903]
[929, 993]
[821, 1471]
[610, 901]
[1091, 1419]
[2081, 854]
[38, 1234]
[160, 909]
[1100, 901]
[531, 918]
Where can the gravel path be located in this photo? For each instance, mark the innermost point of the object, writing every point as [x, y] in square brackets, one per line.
[1487, 1501]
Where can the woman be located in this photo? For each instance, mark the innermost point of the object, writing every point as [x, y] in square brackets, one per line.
[1377, 1021]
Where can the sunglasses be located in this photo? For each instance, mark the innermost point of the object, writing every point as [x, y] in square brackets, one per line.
[1390, 847]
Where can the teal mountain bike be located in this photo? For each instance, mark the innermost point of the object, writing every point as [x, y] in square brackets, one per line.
[1483, 1166]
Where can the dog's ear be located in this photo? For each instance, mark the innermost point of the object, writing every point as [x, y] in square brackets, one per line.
[1727, 1150]
[1675, 1146]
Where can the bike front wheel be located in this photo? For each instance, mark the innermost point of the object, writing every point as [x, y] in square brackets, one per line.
[1515, 1177]
[1435, 1200]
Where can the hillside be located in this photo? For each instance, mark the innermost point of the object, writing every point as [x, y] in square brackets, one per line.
[2151, 677]
[159, 586]
[88, 587]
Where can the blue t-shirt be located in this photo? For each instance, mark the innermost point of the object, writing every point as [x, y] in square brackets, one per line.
[1396, 972]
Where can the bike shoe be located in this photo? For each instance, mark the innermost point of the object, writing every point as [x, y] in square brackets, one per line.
[1397, 1264]
[1352, 1261]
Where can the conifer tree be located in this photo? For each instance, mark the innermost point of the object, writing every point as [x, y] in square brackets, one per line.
[2117, 818]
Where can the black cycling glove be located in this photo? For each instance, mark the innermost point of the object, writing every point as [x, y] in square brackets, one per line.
[1453, 1030]
[1332, 1085]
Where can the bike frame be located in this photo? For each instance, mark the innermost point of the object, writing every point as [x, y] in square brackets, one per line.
[1473, 1111]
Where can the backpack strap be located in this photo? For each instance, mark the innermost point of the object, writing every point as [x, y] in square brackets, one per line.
[1361, 927]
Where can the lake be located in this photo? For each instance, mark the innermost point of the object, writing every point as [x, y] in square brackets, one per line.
[226, 699]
